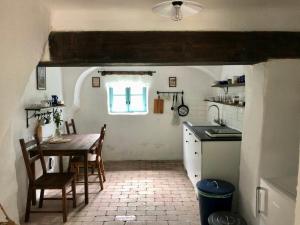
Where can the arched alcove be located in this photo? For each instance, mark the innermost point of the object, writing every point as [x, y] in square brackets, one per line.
[77, 89]
[212, 72]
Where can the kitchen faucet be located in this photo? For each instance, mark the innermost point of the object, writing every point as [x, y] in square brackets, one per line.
[218, 121]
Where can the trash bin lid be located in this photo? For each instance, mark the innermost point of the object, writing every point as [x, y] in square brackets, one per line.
[215, 187]
[225, 218]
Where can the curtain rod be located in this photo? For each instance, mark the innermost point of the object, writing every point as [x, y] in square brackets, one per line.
[113, 72]
[170, 92]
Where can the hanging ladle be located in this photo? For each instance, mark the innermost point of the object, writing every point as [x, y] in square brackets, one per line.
[172, 108]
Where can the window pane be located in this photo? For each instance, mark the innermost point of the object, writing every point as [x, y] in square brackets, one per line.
[119, 91]
[119, 104]
[137, 104]
[127, 100]
[136, 90]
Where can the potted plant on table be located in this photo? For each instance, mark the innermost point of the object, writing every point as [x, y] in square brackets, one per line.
[57, 120]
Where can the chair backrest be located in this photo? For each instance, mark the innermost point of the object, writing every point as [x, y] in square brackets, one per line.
[71, 124]
[100, 142]
[103, 130]
[25, 146]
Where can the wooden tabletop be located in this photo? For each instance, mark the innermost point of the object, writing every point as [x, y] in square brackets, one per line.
[79, 144]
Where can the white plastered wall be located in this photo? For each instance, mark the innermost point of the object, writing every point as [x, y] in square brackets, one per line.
[251, 143]
[33, 96]
[25, 28]
[281, 129]
[270, 147]
[297, 210]
[148, 137]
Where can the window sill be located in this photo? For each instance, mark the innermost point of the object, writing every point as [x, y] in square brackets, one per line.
[129, 114]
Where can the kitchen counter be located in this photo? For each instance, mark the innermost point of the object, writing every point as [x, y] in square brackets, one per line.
[199, 132]
[210, 157]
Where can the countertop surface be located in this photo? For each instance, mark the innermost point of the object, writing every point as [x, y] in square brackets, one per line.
[199, 132]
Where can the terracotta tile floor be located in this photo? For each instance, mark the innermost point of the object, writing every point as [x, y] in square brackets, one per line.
[135, 193]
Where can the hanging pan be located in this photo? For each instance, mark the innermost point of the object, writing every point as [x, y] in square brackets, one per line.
[183, 110]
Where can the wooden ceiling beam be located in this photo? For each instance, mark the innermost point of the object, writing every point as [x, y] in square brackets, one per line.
[117, 48]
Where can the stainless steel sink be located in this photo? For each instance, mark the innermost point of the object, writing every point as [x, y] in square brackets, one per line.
[202, 124]
[223, 132]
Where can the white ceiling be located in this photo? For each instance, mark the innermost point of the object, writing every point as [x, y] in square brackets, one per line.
[226, 15]
[142, 4]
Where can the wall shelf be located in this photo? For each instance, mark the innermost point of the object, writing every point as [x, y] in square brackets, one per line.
[224, 103]
[226, 86]
[229, 85]
[37, 109]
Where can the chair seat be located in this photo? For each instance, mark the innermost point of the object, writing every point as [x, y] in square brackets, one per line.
[54, 180]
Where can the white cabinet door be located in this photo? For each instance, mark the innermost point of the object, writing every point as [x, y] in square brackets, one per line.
[191, 155]
[186, 147]
[212, 159]
[276, 208]
[221, 160]
[195, 160]
[186, 138]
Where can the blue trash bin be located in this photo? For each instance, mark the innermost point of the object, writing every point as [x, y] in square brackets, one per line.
[214, 195]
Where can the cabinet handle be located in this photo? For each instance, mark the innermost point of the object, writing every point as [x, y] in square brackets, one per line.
[186, 141]
[196, 141]
[190, 134]
[196, 175]
[258, 200]
[196, 153]
[185, 129]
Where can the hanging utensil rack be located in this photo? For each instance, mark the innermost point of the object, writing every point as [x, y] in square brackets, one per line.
[37, 112]
[170, 92]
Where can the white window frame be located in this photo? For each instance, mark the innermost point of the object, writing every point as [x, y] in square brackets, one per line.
[128, 95]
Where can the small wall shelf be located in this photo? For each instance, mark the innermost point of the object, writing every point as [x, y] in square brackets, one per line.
[224, 103]
[229, 85]
[226, 86]
[37, 109]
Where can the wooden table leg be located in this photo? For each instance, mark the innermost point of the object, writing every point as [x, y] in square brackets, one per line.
[86, 188]
[33, 189]
[61, 164]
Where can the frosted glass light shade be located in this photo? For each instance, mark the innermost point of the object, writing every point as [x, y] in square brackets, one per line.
[177, 10]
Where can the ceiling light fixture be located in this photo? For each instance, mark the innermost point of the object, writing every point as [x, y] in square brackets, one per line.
[176, 10]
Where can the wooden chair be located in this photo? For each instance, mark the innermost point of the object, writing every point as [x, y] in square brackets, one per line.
[101, 157]
[103, 130]
[45, 181]
[69, 125]
[94, 160]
